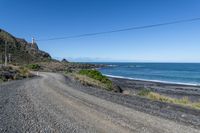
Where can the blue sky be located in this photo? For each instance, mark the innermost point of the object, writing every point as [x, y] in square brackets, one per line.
[57, 18]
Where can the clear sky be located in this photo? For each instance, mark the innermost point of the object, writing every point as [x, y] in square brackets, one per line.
[57, 18]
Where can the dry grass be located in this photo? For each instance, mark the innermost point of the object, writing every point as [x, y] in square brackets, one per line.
[24, 72]
[13, 73]
[85, 80]
[158, 97]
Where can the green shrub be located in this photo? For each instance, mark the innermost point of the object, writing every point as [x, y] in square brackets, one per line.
[94, 74]
[34, 67]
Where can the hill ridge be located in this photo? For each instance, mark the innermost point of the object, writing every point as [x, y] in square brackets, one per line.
[21, 51]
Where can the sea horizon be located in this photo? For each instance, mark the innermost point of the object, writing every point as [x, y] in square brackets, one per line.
[99, 62]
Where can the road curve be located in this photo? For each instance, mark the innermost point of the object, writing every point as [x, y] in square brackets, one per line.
[48, 104]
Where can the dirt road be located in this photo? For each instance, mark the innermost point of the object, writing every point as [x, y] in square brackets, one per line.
[48, 104]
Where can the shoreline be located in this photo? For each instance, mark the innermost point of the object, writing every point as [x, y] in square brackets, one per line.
[153, 81]
[134, 86]
[184, 115]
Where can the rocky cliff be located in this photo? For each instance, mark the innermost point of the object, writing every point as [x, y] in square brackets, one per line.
[19, 51]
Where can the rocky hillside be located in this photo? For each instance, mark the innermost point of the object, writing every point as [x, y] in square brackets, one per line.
[19, 50]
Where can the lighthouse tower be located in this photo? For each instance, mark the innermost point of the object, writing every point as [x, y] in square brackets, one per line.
[34, 45]
[33, 40]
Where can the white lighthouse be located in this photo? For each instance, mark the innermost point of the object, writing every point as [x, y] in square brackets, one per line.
[33, 40]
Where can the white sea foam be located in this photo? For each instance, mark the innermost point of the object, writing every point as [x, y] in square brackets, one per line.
[157, 81]
[112, 65]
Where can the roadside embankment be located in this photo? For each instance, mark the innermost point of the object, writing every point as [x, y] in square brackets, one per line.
[9, 73]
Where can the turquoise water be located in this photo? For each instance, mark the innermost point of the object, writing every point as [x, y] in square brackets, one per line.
[180, 73]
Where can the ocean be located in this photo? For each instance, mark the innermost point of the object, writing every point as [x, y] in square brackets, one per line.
[178, 73]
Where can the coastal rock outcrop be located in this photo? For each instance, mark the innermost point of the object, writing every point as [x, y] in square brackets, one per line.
[65, 61]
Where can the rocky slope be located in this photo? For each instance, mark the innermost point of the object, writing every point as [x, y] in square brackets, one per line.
[20, 51]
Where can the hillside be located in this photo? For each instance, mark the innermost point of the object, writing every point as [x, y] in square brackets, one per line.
[20, 51]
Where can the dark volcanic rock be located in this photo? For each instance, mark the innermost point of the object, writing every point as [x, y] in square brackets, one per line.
[117, 88]
[65, 61]
[8, 73]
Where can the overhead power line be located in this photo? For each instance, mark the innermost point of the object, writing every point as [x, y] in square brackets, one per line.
[122, 30]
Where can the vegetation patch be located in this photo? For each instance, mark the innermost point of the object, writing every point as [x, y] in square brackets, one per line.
[24, 72]
[13, 73]
[34, 67]
[158, 97]
[95, 78]
[144, 92]
[96, 75]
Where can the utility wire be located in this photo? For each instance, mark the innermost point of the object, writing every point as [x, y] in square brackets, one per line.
[122, 30]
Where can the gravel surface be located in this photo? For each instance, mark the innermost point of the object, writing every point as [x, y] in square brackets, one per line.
[51, 104]
[182, 114]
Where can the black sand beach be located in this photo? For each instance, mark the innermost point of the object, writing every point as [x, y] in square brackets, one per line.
[172, 90]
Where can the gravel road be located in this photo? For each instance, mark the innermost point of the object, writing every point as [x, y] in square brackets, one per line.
[49, 104]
